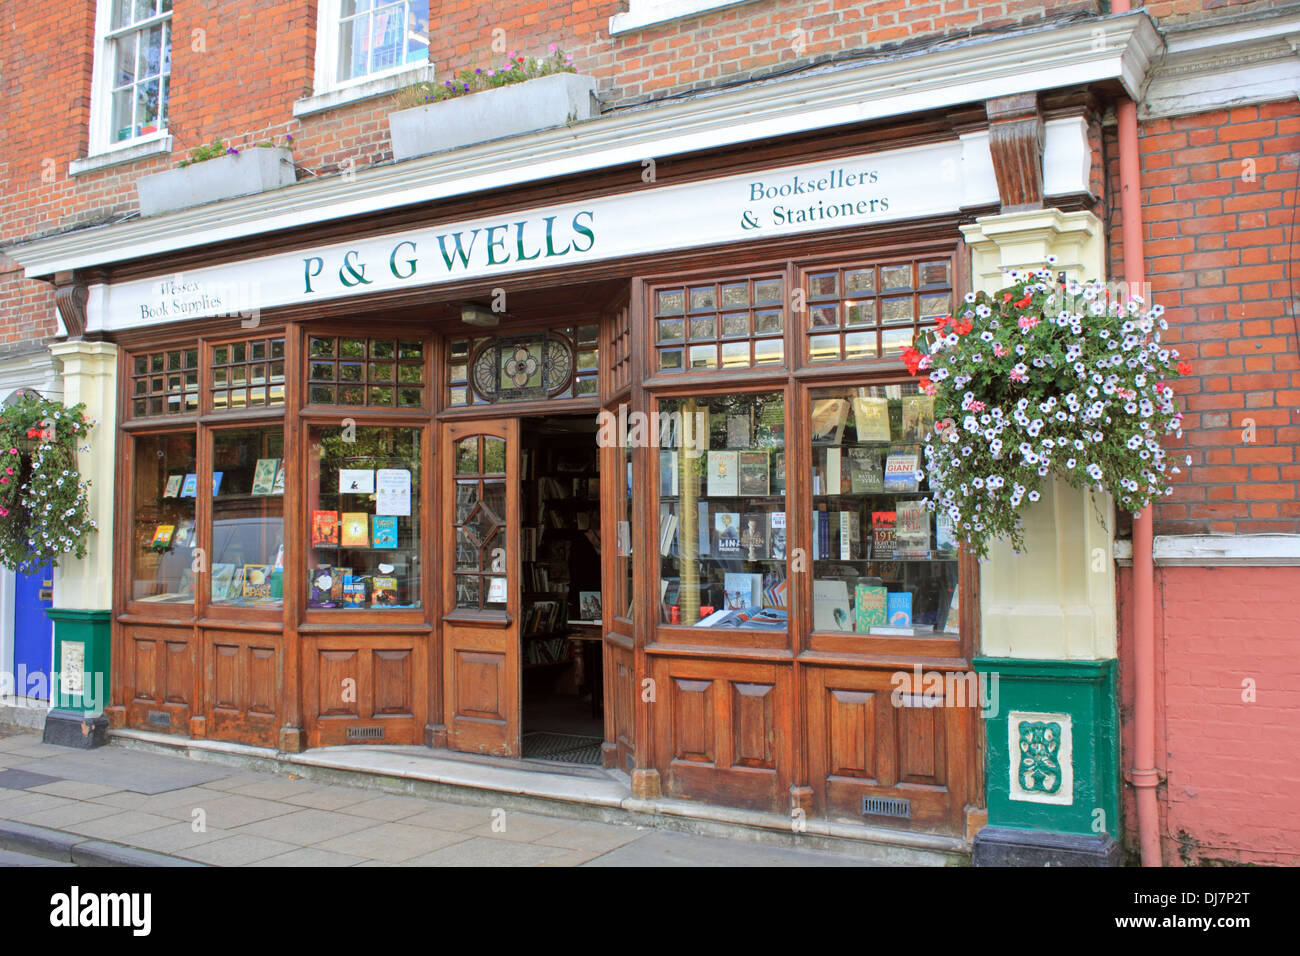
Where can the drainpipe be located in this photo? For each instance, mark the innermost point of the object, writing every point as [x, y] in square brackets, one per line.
[1144, 776]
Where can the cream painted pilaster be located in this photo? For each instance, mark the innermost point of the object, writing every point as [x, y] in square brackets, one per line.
[90, 376]
[1056, 601]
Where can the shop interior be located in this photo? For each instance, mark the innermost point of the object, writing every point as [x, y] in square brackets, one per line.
[560, 626]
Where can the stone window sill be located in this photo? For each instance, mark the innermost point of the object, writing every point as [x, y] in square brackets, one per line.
[123, 154]
[355, 93]
[644, 13]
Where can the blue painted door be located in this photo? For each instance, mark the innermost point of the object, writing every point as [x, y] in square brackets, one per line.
[33, 593]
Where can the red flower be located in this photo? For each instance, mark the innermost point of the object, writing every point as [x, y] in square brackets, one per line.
[1184, 368]
[1006, 297]
[912, 359]
[962, 328]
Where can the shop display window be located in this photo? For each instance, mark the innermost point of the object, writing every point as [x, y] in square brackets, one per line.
[720, 325]
[363, 511]
[722, 534]
[883, 564]
[552, 363]
[872, 311]
[164, 486]
[165, 382]
[248, 517]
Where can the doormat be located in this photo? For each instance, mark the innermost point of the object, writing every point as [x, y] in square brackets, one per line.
[562, 748]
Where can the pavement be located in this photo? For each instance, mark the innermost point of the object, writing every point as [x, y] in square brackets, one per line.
[110, 804]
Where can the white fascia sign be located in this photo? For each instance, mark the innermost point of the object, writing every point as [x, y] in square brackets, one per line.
[910, 183]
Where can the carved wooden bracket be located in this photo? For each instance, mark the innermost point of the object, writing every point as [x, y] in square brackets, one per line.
[1016, 142]
[70, 295]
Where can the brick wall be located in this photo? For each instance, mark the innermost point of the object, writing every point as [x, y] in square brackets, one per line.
[1232, 791]
[1218, 197]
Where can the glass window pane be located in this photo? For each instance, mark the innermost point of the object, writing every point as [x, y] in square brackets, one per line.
[248, 517]
[670, 302]
[860, 313]
[896, 277]
[722, 554]
[768, 321]
[363, 521]
[859, 346]
[735, 324]
[894, 341]
[824, 316]
[880, 558]
[164, 488]
[670, 360]
[735, 354]
[896, 310]
[823, 285]
[769, 351]
[858, 281]
[735, 295]
[704, 298]
[767, 291]
[467, 456]
[671, 330]
[823, 348]
[935, 273]
[703, 356]
[494, 456]
[704, 328]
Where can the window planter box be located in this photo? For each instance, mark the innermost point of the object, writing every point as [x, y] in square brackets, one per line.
[538, 104]
[254, 170]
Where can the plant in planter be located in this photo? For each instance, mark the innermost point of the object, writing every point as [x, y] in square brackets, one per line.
[44, 503]
[1045, 379]
[217, 147]
[523, 95]
[517, 69]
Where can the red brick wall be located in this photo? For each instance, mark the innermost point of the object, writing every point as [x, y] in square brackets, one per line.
[1218, 198]
[1232, 790]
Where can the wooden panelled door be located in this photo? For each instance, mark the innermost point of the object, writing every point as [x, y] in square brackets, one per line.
[480, 562]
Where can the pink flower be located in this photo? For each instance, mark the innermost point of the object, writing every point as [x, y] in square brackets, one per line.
[1027, 322]
[999, 350]
[4, 481]
[13, 451]
[4, 512]
[1019, 375]
[9, 471]
[977, 406]
[554, 48]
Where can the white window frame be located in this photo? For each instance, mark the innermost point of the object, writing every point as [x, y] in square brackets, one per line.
[329, 15]
[101, 84]
[647, 13]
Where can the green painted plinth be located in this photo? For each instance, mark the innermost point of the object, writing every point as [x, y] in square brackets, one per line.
[81, 647]
[1083, 691]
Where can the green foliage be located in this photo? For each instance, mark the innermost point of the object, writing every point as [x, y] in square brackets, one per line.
[44, 504]
[1045, 380]
[516, 69]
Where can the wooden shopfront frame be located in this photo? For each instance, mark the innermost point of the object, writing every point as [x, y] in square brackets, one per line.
[830, 687]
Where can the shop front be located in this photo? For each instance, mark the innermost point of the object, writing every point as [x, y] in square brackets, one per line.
[624, 461]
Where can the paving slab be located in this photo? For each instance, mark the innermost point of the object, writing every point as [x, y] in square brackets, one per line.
[60, 818]
[307, 827]
[239, 849]
[481, 851]
[518, 826]
[117, 826]
[76, 789]
[389, 807]
[597, 837]
[450, 816]
[681, 849]
[127, 769]
[391, 842]
[228, 811]
[330, 798]
[12, 858]
[176, 837]
[309, 856]
[276, 788]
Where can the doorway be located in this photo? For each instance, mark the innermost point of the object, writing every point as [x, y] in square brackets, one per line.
[560, 658]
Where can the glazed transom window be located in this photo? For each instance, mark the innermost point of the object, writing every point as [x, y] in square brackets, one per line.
[248, 374]
[711, 325]
[552, 363]
[357, 371]
[375, 37]
[873, 310]
[165, 383]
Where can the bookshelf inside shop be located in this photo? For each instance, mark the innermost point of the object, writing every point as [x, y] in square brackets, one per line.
[722, 528]
[560, 545]
[883, 563]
